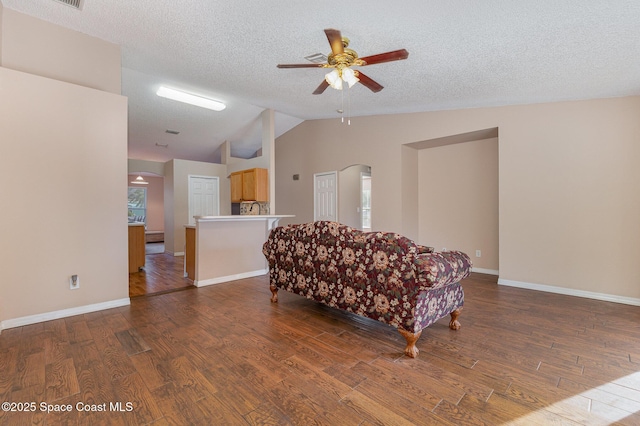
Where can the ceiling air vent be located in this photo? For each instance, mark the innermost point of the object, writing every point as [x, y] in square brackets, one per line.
[76, 4]
[316, 58]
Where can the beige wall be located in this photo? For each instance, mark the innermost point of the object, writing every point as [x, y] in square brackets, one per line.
[458, 199]
[568, 198]
[39, 47]
[1, 21]
[409, 195]
[137, 166]
[229, 250]
[60, 207]
[155, 203]
[63, 191]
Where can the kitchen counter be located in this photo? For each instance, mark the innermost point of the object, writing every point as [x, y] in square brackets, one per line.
[227, 248]
[136, 246]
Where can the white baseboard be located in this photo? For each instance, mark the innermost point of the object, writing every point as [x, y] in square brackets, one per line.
[571, 292]
[485, 271]
[48, 316]
[218, 280]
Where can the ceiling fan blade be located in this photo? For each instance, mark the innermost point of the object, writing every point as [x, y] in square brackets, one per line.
[396, 55]
[299, 65]
[374, 86]
[320, 89]
[335, 40]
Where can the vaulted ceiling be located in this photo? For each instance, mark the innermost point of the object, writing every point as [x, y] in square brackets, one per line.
[462, 54]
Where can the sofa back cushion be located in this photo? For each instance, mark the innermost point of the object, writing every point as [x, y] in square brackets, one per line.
[323, 259]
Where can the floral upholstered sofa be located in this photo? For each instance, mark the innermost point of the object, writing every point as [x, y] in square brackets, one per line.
[379, 275]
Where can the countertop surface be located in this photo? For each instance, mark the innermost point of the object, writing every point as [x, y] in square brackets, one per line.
[242, 217]
[201, 219]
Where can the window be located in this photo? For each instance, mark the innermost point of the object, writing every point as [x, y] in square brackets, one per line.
[137, 204]
[366, 202]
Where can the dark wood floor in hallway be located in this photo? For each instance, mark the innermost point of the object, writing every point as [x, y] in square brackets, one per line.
[162, 273]
[224, 355]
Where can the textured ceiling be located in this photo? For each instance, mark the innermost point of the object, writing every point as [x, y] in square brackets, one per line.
[462, 54]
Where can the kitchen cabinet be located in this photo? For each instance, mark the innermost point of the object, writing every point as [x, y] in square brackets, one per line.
[136, 247]
[236, 187]
[190, 253]
[250, 185]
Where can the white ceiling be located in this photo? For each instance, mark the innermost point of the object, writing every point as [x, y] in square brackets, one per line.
[462, 54]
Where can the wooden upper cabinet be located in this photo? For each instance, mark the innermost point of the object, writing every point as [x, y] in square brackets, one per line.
[250, 185]
[236, 187]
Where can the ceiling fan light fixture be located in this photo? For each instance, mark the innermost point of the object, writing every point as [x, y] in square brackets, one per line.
[349, 76]
[140, 181]
[188, 98]
[334, 79]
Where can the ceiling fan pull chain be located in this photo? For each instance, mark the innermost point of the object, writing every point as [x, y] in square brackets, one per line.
[348, 106]
[342, 109]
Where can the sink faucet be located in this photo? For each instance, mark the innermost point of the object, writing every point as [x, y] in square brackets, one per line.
[252, 204]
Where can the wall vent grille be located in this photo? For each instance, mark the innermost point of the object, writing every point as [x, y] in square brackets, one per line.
[76, 4]
[317, 58]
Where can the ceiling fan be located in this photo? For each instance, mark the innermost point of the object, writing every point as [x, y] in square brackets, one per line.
[341, 59]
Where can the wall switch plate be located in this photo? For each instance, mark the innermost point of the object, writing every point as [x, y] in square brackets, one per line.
[478, 253]
[74, 282]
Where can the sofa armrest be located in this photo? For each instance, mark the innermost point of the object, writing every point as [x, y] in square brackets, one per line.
[442, 268]
[424, 249]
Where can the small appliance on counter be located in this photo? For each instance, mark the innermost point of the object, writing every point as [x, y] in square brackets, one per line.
[253, 208]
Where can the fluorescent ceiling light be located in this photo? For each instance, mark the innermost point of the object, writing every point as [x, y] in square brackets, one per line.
[188, 98]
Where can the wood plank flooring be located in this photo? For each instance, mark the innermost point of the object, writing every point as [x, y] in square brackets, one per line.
[225, 355]
[162, 273]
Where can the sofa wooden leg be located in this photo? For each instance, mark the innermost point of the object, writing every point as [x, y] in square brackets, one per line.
[411, 338]
[454, 324]
[274, 293]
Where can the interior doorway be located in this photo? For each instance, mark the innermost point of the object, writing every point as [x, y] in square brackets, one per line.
[354, 196]
[162, 272]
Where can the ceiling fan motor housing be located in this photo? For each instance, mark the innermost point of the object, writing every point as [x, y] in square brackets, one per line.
[346, 59]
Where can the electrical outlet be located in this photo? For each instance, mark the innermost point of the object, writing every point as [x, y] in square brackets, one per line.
[74, 282]
[478, 253]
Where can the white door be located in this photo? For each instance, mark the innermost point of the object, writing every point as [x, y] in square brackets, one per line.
[325, 188]
[204, 199]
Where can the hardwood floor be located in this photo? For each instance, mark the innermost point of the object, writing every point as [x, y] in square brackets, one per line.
[162, 273]
[224, 355]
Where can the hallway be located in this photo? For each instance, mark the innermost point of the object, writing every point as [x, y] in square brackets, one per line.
[163, 273]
